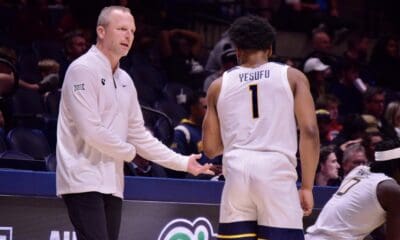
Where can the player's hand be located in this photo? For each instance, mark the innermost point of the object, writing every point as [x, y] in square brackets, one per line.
[306, 201]
[217, 169]
[196, 168]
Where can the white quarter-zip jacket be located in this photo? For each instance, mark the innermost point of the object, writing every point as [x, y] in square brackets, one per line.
[100, 125]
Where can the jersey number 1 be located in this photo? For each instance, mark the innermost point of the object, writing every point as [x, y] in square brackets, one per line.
[254, 99]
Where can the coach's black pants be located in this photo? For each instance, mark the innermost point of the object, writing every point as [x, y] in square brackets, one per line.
[95, 216]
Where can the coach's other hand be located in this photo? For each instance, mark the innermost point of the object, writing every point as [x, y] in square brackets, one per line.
[196, 168]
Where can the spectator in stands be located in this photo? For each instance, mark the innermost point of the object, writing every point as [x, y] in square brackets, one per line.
[350, 97]
[306, 15]
[298, 15]
[372, 123]
[331, 104]
[357, 48]
[321, 43]
[369, 142]
[285, 60]
[385, 63]
[374, 105]
[188, 134]
[49, 70]
[262, 8]
[322, 49]
[353, 155]
[47, 67]
[323, 120]
[98, 132]
[181, 50]
[67, 22]
[144, 65]
[8, 84]
[214, 63]
[6, 81]
[7, 76]
[354, 127]
[32, 22]
[75, 44]
[392, 117]
[317, 73]
[357, 51]
[228, 60]
[328, 167]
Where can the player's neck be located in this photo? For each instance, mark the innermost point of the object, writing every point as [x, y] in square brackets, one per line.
[253, 59]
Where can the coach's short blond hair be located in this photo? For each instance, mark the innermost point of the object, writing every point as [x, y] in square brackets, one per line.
[104, 19]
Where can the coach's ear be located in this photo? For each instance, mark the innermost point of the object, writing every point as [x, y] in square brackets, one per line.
[101, 31]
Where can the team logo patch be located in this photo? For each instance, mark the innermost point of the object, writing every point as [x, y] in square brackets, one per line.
[103, 81]
[182, 229]
[79, 87]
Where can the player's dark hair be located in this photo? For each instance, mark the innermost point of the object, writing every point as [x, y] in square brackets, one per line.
[252, 33]
[387, 167]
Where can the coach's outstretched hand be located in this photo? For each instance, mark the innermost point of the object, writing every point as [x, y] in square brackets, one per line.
[196, 168]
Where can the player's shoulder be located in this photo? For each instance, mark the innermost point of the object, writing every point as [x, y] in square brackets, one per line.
[295, 74]
[213, 92]
[296, 78]
[232, 69]
[215, 87]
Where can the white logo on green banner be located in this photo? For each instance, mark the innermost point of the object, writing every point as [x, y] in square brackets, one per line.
[182, 229]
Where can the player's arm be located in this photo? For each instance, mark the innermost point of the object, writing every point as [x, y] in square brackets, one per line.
[388, 193]
[309, 137]
[212, 141]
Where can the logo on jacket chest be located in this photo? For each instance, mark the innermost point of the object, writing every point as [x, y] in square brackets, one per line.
[103, 81]
[78, 87]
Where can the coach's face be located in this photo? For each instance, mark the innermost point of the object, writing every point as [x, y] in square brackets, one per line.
[118, 34]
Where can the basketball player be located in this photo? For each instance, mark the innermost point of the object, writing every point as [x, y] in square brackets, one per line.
[367, 198]
[251, 119]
